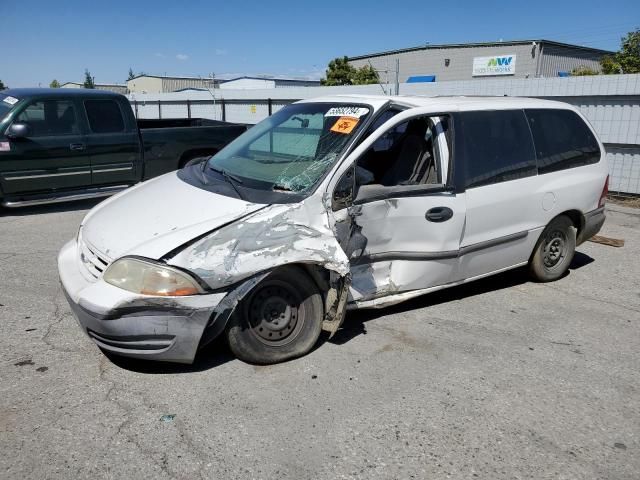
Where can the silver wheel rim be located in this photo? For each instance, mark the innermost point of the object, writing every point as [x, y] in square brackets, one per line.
[554, 249]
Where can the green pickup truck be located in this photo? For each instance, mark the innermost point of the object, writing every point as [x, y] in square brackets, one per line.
[66, 144]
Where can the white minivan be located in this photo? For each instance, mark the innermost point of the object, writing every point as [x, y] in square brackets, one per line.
[334, 203]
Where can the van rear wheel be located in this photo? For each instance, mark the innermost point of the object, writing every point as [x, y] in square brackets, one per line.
[554, 251]
[280, 319]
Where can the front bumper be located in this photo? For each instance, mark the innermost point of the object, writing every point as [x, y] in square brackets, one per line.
[139, 326]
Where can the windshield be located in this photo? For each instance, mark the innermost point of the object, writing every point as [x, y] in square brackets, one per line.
[292, 149]
[6, 104]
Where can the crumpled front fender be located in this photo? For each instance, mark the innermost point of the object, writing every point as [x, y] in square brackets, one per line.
[278, 235]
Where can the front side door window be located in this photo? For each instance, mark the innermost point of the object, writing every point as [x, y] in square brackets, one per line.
[53, 153]
[47, 118]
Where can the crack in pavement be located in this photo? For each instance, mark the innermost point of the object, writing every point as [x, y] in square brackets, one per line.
[587, 297]
[190, 445]
[58, 317]
[111, 397]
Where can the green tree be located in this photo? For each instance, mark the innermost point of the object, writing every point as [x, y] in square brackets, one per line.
[54, 84]
[88, 79]
[366, 76]
[627, 60]
[609, 65]
[3, 86]
[132, 75]
[340, 72]
[582, 71]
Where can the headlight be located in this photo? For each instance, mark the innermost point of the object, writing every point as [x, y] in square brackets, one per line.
[139, 276]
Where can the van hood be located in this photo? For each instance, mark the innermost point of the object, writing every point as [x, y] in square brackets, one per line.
[158, 216]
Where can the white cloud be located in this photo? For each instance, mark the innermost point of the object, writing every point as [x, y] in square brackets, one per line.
[182, 57]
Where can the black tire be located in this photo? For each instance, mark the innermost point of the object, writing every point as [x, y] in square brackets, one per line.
[554, 251]
[280, 319]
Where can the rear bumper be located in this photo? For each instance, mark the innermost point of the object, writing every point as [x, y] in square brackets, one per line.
[593, 222]
[139, 326]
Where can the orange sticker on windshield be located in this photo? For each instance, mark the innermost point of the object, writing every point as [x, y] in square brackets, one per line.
[345, 125]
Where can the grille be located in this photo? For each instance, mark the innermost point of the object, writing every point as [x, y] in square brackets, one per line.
[93, 261]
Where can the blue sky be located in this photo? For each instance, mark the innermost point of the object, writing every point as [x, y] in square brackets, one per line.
[46, 40]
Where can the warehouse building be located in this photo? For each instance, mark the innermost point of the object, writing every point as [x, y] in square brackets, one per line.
[111, 87]
[516, 59]
[165, 84]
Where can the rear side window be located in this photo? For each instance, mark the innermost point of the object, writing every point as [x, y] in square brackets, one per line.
[562, 140]
[496, 147]
[104, 116]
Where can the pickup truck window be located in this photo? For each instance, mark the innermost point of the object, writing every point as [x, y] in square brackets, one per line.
[6, 104]
[104, 116]
[292, 149]
[50, 117]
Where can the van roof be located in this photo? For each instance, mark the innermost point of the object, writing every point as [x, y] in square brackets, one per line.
[448, 103]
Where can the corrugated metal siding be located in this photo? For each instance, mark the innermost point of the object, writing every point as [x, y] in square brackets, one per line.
[173, 84]
[122, 89]
[529, 62]
[175, 110]
[617, 120]
[211, 111]
[247, 112]
[431, 61]
[624, 167]
[556, 59]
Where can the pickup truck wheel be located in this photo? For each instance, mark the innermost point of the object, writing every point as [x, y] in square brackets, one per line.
[280, 319]
[554, 251]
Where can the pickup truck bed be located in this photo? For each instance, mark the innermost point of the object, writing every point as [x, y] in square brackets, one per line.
[181, 139]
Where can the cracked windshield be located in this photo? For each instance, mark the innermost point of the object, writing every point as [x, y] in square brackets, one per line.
[291, 150]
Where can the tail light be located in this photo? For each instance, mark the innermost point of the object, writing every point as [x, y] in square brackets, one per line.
[605, 191]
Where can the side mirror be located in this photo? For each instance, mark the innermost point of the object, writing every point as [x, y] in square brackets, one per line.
[18, 130]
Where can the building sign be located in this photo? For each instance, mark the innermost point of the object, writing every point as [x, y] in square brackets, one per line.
[502, 65]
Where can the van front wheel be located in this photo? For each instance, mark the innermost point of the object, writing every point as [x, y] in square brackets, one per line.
[280, 319]
[554, 251]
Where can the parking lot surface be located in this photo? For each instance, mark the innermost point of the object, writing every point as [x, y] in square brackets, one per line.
[501, 378]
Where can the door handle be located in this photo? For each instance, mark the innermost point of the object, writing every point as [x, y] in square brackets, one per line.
[77, 146]
[439, 214]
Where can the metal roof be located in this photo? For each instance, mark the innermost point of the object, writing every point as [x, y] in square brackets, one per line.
[269, 77]
[97, 84]
[173, 77]
[480, 44]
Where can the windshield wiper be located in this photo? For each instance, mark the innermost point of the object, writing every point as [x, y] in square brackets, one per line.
[283, 188]
[231, 179]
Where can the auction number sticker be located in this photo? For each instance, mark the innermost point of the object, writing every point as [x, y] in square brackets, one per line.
[5, 147]
[355, 112]
[10, 100]
[345, 125]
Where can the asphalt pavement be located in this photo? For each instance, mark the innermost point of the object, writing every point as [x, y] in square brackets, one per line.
[500, 378]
